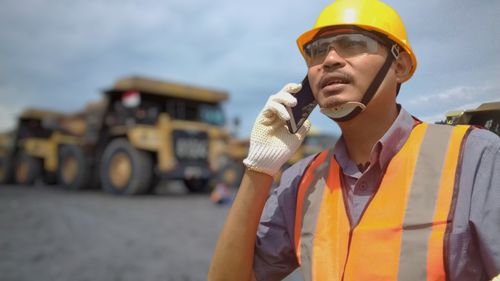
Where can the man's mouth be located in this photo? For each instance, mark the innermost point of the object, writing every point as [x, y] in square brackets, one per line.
[334, 79]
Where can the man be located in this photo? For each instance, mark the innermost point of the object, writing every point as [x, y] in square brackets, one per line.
[395, 199]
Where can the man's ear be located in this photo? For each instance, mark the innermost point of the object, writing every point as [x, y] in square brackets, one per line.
[402, 67]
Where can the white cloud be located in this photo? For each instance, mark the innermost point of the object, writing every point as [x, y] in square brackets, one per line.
[434, 107]
[457, 94]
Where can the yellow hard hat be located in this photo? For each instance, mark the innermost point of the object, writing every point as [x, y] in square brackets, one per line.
[371, 15]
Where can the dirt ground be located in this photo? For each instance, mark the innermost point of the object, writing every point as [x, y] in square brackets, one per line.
[49, 234]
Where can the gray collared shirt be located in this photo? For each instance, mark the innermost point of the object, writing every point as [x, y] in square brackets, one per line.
[474, 245]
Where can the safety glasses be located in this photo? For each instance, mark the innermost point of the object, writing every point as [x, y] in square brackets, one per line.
[346, 45]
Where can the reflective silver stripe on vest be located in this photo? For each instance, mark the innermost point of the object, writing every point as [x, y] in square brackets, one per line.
[422, 203]
[310, 216]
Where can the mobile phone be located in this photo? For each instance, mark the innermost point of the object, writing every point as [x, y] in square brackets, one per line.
[305, 105]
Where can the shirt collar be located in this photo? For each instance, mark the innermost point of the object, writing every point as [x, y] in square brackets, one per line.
[383, 151]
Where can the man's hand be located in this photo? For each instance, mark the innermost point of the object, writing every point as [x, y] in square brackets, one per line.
[271, 144]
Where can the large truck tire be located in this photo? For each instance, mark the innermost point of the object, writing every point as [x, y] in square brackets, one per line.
[74, 170]
[27, 169]
[5, 170]
[125, 170]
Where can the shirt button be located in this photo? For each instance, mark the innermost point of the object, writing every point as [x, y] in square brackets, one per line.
[363, 186]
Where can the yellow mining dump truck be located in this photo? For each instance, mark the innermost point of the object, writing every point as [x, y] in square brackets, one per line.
[487, 115]
[233, 170]
[452, 117]
[148, 130]
[31, 151]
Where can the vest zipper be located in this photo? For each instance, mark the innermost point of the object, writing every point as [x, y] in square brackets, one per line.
[344, 197]
[348, 255]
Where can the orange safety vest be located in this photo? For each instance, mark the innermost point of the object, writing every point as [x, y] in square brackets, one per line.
[401, 233]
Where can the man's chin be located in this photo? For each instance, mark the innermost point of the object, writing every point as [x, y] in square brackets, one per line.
[332, 103]
[332, 100]
[345, 110]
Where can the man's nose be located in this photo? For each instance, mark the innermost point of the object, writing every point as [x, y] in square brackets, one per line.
[333, 60]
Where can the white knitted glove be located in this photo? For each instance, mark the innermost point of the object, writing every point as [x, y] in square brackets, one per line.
[271, 144]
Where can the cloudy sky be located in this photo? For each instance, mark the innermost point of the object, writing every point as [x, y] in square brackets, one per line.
[59, 54]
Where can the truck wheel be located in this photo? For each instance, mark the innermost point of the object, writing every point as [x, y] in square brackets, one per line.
[126, 170]
[197, 185]
[5, 171]
[27, 169]
[73, 172]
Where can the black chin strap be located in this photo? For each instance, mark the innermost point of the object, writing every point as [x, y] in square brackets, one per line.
[349, 116]
[377, 80]
[372, 89]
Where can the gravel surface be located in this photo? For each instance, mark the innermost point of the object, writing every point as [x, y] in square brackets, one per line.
[49, 234]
